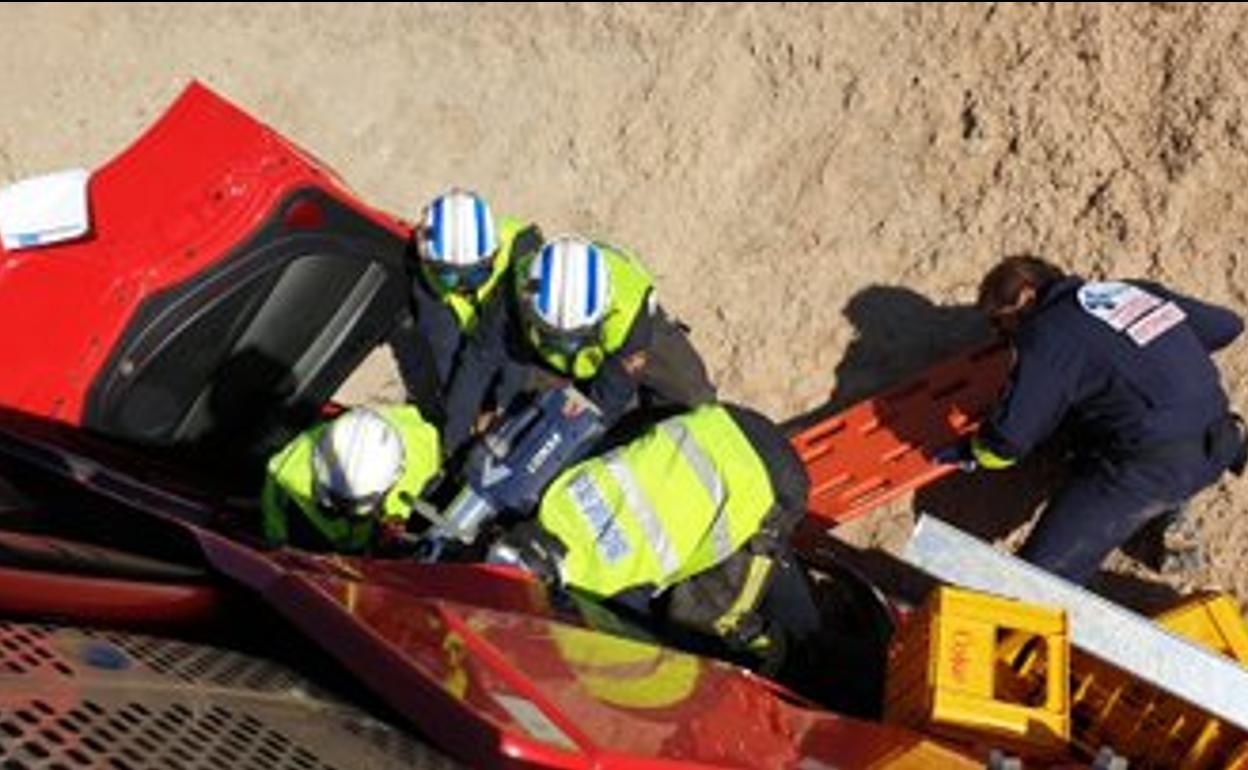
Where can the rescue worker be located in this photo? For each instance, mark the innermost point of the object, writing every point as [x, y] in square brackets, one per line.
[584, 312]
[349, 486]
[689, 523]
[1128, 364]
[461, 258]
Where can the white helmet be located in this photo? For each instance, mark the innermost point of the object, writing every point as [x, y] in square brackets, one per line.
[569, 286]
[358, 459]
[458, 240]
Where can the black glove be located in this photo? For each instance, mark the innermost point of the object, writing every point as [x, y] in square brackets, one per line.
[528, 546]
[391, 534]
[958, 454]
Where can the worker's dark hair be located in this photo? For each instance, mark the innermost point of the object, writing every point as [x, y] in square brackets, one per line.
[1002, 284]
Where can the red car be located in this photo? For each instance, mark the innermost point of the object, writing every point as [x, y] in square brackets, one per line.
[227, 285]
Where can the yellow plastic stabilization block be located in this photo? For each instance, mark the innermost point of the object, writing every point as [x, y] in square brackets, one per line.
[944, 672]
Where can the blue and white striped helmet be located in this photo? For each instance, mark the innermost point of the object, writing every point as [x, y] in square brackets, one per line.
[570, 285]
[458, 230]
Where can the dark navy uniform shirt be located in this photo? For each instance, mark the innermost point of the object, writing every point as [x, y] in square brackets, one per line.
[427, 343]
[1126, 362]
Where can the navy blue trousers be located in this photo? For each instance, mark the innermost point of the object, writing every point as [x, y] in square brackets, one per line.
[1103, 505]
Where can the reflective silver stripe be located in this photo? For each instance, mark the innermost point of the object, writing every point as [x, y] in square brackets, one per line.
[712, 482]
[721, 537]
[651, 524]
[589, 499]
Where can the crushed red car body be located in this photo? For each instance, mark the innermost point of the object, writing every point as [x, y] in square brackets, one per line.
[229, 284]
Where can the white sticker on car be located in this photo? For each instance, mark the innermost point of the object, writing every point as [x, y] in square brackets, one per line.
[535, 723]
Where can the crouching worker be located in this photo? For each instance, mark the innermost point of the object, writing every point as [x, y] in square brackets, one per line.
[581, 312]
[460, 271]
[350, 485]
[1127, 365]
[689, 523]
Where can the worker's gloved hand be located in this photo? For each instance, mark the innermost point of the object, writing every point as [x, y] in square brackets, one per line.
[533, 549]
[959, 455]
[391, 533]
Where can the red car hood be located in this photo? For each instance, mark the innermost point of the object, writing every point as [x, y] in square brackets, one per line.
[475, 656]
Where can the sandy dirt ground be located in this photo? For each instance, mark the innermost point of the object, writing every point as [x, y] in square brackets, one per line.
[818, 189]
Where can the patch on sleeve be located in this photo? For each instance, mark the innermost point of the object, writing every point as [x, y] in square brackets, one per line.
[1129, 309]
[1117, 304]
[1156, 323]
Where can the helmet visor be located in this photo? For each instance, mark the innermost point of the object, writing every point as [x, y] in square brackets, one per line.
[461, 278]
[352, 507]
[566, 341]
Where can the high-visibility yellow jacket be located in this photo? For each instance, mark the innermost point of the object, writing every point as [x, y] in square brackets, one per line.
[671, 504]
[467, 308]
[631, 287]
[289, 487]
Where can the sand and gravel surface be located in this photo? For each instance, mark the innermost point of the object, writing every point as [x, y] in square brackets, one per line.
[817, 188]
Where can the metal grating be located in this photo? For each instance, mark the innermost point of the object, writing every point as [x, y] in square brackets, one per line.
[73, 700]
[137, 736]
[24, 650]
[202, 664]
